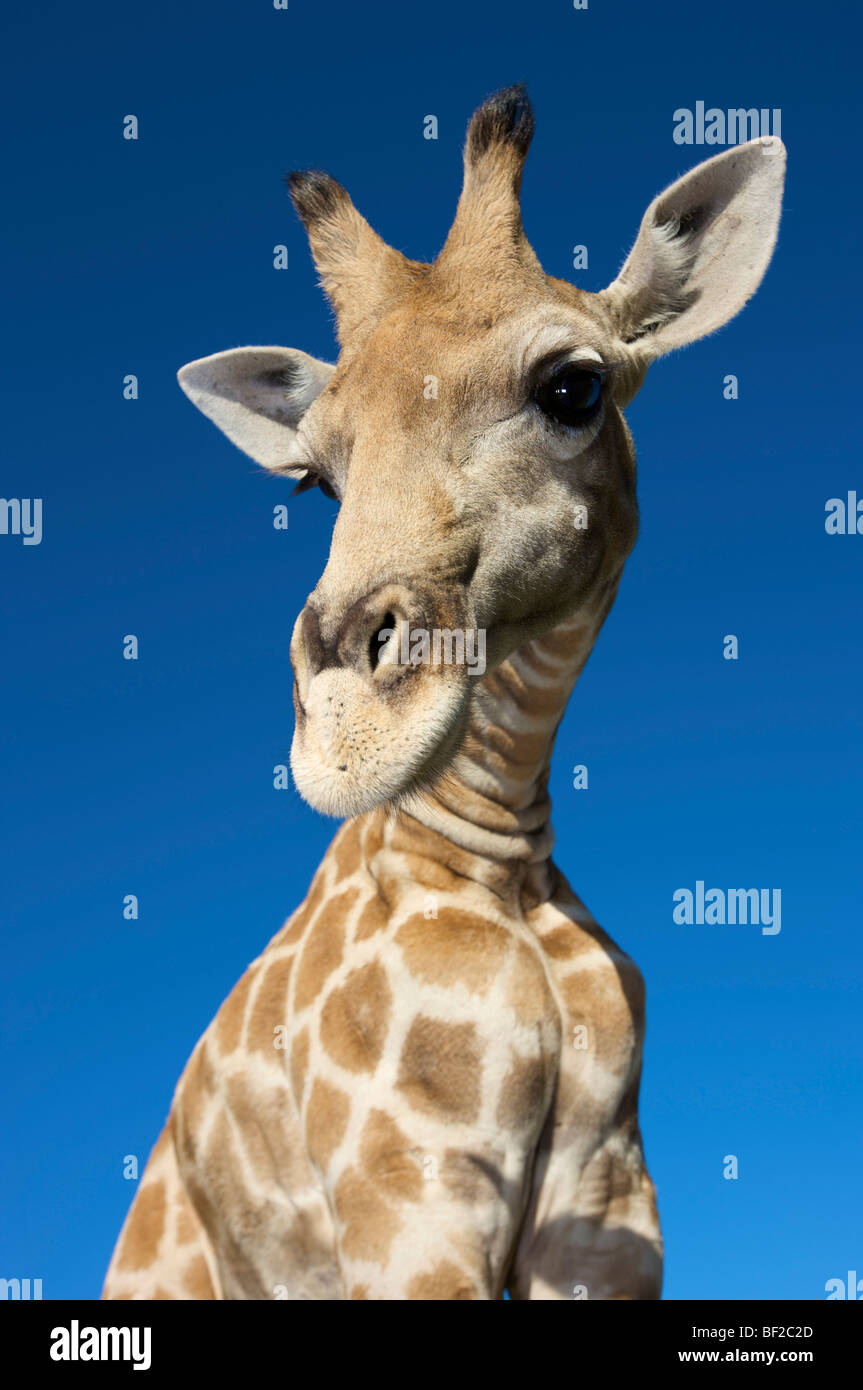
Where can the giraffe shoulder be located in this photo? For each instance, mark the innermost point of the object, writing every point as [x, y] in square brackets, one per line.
[591, 972]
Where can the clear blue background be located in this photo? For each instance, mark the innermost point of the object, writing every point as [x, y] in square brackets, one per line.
[155, 777]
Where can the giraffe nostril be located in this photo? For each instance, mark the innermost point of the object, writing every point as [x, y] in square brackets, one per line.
[379, 640]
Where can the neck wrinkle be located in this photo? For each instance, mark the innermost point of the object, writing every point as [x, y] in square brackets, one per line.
[493, 800]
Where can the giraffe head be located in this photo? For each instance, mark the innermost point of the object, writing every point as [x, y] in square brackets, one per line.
[472, 429]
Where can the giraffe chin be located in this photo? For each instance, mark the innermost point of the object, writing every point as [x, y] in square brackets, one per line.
[356, 747]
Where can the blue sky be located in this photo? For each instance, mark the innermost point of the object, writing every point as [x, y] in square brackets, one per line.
[155, 777]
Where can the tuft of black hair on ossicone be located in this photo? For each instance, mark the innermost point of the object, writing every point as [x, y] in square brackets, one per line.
[506, 118]
[314, 194]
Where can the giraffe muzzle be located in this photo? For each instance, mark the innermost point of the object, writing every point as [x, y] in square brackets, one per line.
[371, 718]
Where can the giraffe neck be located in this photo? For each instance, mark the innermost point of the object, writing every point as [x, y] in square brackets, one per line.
[492, 803]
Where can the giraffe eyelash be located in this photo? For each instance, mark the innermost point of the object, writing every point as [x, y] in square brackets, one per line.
[312, 480]
[550, 365]
[305, 484]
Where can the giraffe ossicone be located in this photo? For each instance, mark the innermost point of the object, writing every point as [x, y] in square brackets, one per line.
[395, 1102]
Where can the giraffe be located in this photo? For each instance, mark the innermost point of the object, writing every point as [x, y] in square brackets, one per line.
[426, 1086]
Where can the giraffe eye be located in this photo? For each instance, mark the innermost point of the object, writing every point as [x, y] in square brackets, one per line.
[571, 396]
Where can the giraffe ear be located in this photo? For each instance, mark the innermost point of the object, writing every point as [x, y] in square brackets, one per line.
[257, 397]
[702, 250]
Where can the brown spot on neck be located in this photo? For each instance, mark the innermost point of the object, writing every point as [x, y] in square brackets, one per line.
[440, 1069]
[323, 950]
[355, 1019]
[326, 1121]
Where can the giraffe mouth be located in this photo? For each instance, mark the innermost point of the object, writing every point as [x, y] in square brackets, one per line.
[354, 748]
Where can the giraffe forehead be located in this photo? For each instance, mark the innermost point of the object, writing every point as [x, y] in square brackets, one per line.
[435, 362]
[477, 334]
